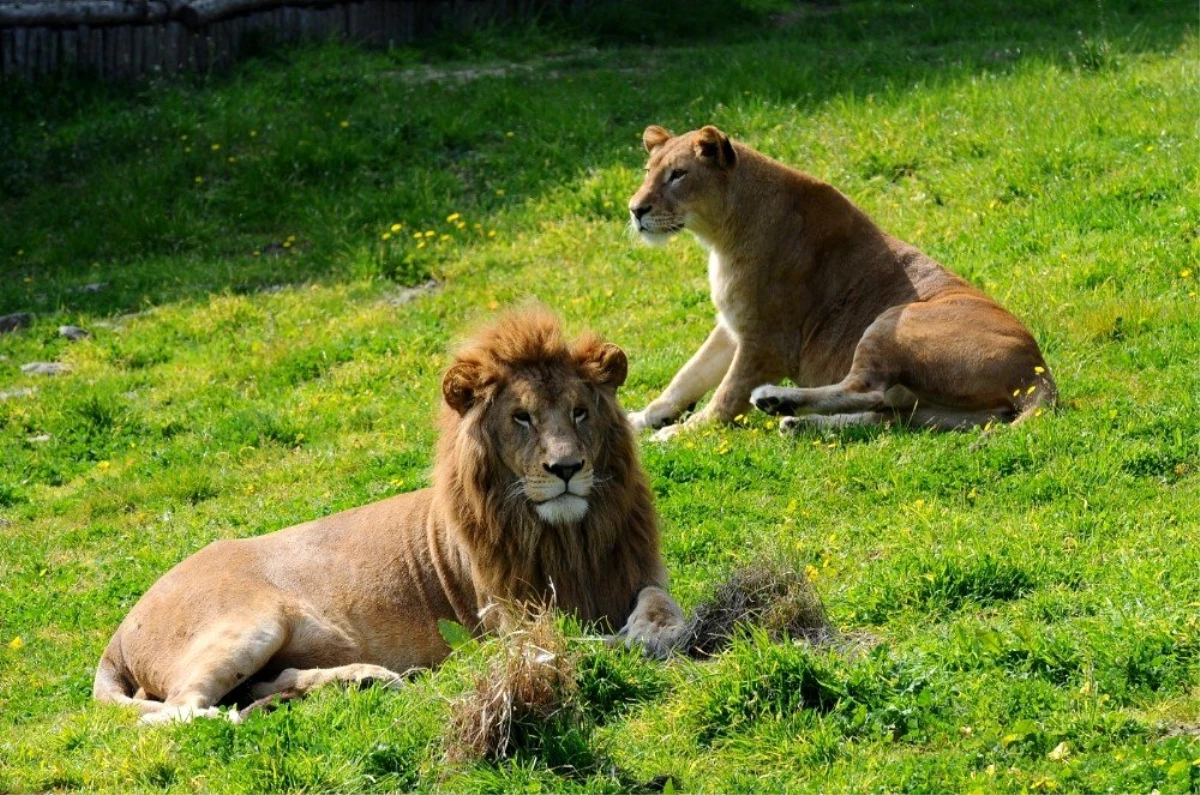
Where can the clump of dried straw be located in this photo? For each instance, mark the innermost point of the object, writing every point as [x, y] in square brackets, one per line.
[772, 596]
[528, 685]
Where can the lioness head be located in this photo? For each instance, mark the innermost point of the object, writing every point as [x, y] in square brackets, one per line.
[684, 182]
[538, 415]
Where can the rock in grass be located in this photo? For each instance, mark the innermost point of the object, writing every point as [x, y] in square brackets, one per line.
[45, 368]
[774, 597]
[16, 321]
[410, 294]
[73, 333]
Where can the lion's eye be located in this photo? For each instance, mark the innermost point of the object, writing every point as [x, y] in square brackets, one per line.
[676, 175]
[522, 418]
[580, 415]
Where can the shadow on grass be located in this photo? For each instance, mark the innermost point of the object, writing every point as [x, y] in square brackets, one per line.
[295, 166]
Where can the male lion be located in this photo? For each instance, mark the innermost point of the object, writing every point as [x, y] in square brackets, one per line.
[537, 495]
[809, 288]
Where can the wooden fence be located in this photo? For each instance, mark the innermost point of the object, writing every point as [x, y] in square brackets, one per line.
[132, 38]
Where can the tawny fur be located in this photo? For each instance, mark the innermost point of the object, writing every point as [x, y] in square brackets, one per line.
[807, 287]
[356, 596]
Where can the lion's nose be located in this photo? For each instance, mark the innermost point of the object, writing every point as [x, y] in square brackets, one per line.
[639, 211]
[564, 470]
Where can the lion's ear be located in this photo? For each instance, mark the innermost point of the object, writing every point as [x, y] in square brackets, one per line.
[460, 385]
[604, 364]
[715, 147]
[654, 137]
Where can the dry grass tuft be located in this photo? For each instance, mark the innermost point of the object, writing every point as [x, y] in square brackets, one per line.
[764, 594]
[529, 685]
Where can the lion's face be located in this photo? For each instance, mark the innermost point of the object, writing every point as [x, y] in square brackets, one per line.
[685, 179]
[547, 424]
[547, 435]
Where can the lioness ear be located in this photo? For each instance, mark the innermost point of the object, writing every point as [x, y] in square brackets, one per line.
[604, 364]
[715, 146]
[654, 137]
[459, 386]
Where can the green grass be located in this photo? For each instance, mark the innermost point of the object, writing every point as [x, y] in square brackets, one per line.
[1040, 590]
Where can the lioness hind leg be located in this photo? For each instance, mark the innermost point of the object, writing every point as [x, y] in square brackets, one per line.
[303, 680]
[950, 419]
[790, 426]
[852, 395]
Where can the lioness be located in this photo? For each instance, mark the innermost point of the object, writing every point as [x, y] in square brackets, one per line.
[809, 288]
[537, 490]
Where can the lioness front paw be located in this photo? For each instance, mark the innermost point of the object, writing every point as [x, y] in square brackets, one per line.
[667, 434]
[774, 399]
[650, 418]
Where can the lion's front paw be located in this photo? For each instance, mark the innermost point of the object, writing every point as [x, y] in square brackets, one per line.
[774, 399]
[658, 641]
[656, 625]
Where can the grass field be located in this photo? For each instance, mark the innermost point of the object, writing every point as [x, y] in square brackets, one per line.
[239, 247]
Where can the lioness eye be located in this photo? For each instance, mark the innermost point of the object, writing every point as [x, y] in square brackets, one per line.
[676, 175]
[522, 418]
[580, 415]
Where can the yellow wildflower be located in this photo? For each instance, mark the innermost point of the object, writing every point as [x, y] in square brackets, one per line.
[452, 217]
[395, 227]
[430, 233]
[385, 236]
[16, 643]
[491, 233]
[344, 123]
[216, 147]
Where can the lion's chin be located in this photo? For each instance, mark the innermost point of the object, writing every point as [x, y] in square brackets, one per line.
[563, 509]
